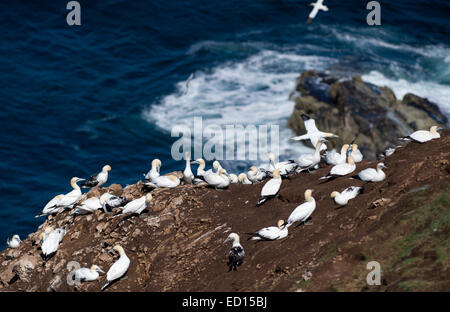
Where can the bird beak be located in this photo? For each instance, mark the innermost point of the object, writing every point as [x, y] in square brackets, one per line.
[101, 271]
[383, 166]
[226, 240]
[79, 180]
[439, 128]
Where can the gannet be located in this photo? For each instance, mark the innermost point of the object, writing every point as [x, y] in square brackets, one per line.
[334, 158]
[356, 153]
[201, 166]
[109, 201]
[303, 211]
[271, 232]
[169, 181]
[271, 188]
[255, 175]
[137, 205]
[87, 274]
[285, 167]
[341, 169]
[308, 161]
[312, 133]
[14, 242]
[97, 179]
[388, 152]
[217, 180]
[119, 268]
[243, 179]
[51, 206]
[233, 178]
[188, 176]
[236, 254]
[71, 198]
[89, 205]
[188, 81]
[347, 194]
[217, 166]
[154, 171]
[317, 6]
[423, 136]
[50, 241]
[371, 174]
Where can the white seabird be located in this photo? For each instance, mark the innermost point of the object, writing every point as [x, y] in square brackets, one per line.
[137, 205]
[169, 181]
[87, 274]
[341, 169]
[285, 167]
[243, 179]
[97, 179]
[217, 180]
[271, 188]
[201, 167]
[371, 174]
[119, 268]
[233, 178]
[109, 201]
[217, 166]
[51, 207]
[303, 211]
[308, 161]
[334, 158]
[271, 232]
[14, 242]
[318, 5]
[343, 197]
[356, 153]
[312, 133]
[423, 136]
[71, 198]
[154, 171]
[236, 254]
[255, 175]
[188, 176]
[50, 241]
[89, 205]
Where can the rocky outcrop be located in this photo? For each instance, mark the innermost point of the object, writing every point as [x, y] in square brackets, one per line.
[177, 244]
[354, 108]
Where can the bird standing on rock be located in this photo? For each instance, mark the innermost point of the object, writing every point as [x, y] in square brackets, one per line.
[303, 211]
[271, 188]
[188, 176]
[51, 207]
[98, 179]
[71, 198]
[119, 268]
[154, 171]
[341, 169]
[236, 254]
[14, 242]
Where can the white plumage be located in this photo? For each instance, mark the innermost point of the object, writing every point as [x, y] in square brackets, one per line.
[98, 179]
[317, 6]
[51, 207]
[119, 268]
[154, 171]
[423, 136]
[89, 205]
[373, 175]
[312, 133]
[71, 198]
[343, 197]
[243, 179]
[255, 175]
[271, 188]
[169, 181]
[271, 232]
[137, 205]
[356, 153]
[87, 274]
[218, 180]
[14, 242]
[188, 176]
[335, 158]
[342, 169]
[51, 240]
[307, 161]
[303, 211]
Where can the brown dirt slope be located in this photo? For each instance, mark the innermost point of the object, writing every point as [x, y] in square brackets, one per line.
[401, 222]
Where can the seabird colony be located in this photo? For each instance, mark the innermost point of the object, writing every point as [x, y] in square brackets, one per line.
[343, 165]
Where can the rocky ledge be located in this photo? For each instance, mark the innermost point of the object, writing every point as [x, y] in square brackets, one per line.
[354, 108]
[402, 222]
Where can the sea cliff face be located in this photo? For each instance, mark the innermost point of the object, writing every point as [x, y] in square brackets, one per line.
[177, 244]
[357, 109]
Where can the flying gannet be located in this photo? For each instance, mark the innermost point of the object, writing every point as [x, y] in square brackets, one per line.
[356, 153]
[334, 158]
[154, 171]
[188, 176]
[423, 136]
[308, 161]
[14, 242]
[285, 167]
[50, 241]
[341, 169]
[119, 268]
[236, 254]
[137, 206]
[71, 198]
[303, 211]
[343, 197]
[312, 133]
[271, 188]
[51, 207]
[243, 179]
[87, 274]
[109, 201]
[318, 5]
[271, 232]
[217, 180]
[97, 179]
[255, 175]
[371, 174]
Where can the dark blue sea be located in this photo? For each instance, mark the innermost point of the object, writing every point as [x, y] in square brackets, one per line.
[74, 98]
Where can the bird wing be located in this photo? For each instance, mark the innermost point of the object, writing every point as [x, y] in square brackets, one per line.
[134, 205]
[118, 269]
[301, 137]
[367, 174]
[310, 124]
[313, 14]
[271, 188]
[269, 233]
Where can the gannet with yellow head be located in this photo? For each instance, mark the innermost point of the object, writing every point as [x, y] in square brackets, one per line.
[87, 274]
[343, 197]
[371, 174]
[236, 254]
[302, 212]
[138, 205]
[51, 207]
[270, 233]
[423, 136]
[71, 198]
[154, 171]
[271, 188]
[98, 179]
[255, 175]
[119, 268]
[312, 133]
